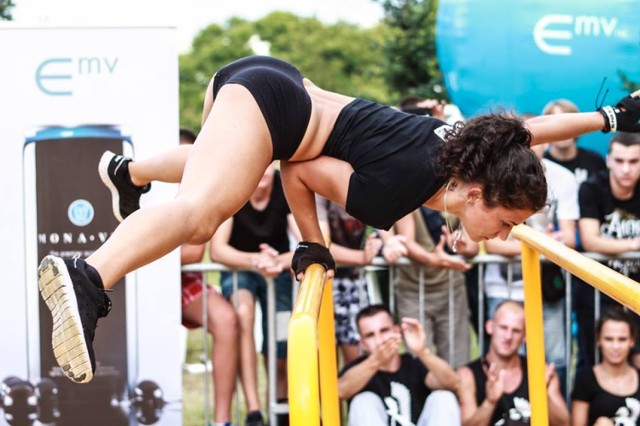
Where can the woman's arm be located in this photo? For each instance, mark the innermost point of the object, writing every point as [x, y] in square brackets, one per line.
[623, 117]
[558, 127]
[222, 252]
[558, 411]
[326, 176]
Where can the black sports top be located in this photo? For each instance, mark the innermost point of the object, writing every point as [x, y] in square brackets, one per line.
[253, 227]
[392, 154]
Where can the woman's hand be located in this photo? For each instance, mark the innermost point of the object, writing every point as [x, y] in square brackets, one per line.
[371, 248]
[307, 253]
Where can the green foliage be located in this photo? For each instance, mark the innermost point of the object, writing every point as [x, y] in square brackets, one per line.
[340, 57]
[628, 85]
[5, 10]
[410, 48]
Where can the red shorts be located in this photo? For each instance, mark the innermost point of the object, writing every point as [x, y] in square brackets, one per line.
[191, 290]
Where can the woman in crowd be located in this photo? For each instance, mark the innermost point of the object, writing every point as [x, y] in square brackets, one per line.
[608, 394]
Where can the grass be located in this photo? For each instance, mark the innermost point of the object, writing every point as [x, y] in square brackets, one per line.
[193, 391]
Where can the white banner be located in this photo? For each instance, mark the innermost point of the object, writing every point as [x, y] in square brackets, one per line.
[66, 95]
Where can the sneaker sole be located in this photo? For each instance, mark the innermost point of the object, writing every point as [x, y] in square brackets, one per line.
[67, 338]
[103, 170]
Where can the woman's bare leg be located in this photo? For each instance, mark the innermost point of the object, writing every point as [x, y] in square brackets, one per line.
[223, 169]
[167, 166]
[248, 354]
[223, 326]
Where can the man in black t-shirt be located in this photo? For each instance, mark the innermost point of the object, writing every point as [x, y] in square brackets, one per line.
[609, 224]
[385, 387]
[582, 162]
[494, 390]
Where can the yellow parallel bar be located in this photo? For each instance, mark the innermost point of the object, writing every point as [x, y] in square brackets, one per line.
[328, 362]
[302, 350]
[535, 336]
[608, 281]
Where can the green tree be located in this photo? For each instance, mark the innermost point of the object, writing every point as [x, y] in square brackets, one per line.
[212, 48]
[339, 57]
[5, 10]
[410, 49]
[627, 84]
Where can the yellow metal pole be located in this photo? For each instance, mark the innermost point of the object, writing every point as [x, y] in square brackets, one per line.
[327, 358]
[302, 350]
[535, 336]
[615, 285]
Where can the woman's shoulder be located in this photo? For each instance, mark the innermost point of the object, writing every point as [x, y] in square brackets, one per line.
[586, 377]
[585, 381]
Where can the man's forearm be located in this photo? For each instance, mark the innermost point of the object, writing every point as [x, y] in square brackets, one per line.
[482, 416]
[232, 257]
[610, 246]
[444, 374]
[356, 378]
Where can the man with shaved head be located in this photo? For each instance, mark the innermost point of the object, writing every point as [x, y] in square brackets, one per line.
[494, 389]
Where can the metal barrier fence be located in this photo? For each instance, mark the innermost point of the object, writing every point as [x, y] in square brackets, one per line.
[274, 408]
[313, 294]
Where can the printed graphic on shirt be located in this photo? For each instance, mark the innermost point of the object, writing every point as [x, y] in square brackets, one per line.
[581, 174]
[618, 225]
[441, 131]
[627, 415]
[399, 405]
[519, 414]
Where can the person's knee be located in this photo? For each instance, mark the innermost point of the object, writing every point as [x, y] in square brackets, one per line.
[245, 317]
[440, 404]
[365, 407]
[223, 322]
[365, 400]
[443, 397]
[199, 222]
[201, 230]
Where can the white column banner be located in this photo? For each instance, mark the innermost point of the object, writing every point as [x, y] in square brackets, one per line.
[67, 94]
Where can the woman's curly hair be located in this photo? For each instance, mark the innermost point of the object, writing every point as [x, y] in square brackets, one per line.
[494, 151]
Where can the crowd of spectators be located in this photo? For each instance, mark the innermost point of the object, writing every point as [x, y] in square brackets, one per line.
[593, 206]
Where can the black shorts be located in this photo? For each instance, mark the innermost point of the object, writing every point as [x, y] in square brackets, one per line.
[278, 90]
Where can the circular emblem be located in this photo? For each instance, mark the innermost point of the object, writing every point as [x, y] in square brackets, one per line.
[80, 212]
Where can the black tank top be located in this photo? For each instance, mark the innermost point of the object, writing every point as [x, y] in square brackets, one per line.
[509, 401]
[253, 227]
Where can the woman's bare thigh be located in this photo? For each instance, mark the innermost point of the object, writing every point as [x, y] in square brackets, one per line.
[230, 154]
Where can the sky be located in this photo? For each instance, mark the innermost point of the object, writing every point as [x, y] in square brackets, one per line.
[189, 16]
